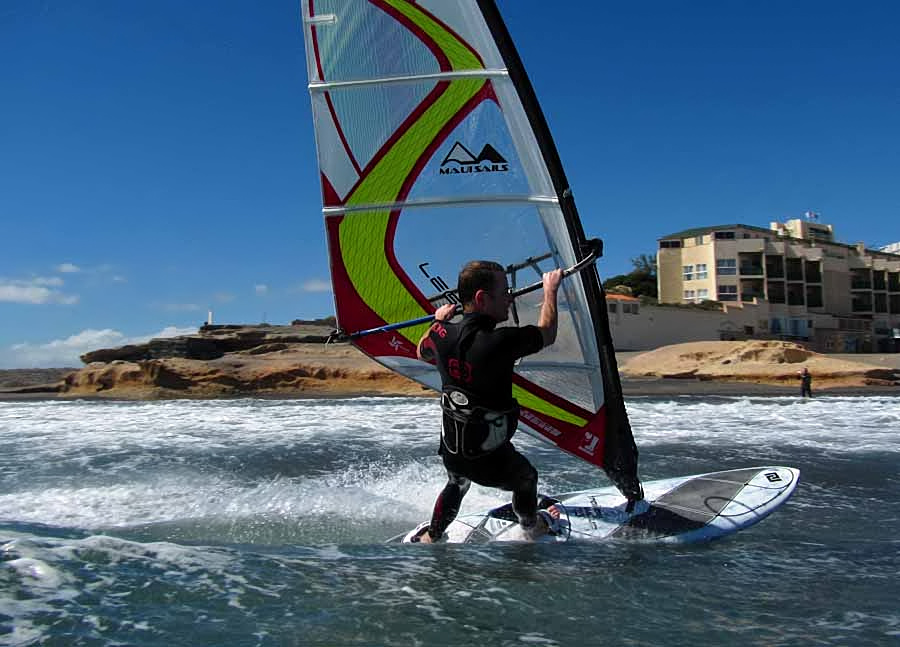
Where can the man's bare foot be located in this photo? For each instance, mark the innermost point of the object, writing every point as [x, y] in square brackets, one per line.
[425, 538]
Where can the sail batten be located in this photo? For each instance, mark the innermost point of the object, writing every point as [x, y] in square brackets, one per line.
[323, 86]
[433, 151]
[443, 202]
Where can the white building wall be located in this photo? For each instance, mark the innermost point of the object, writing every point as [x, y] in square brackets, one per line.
[657, 326]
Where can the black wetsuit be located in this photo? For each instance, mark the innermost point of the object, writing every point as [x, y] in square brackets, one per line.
[476, 360]
[806, 385]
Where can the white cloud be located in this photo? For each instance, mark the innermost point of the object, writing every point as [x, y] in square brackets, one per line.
[316, 285]
[67, 268]
[35, 291]
[261, 289]
[52, 281]
[66, 352]
[223, 297]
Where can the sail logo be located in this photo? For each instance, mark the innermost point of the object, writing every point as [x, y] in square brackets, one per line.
[461, 160]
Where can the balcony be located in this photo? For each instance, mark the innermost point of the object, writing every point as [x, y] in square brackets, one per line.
[894, 281]
[861, 303]
[813, 272]
[774, 267]
[775, 292]
[861, 279]
[751, 270]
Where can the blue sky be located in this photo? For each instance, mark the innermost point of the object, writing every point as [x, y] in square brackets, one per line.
[157, 157]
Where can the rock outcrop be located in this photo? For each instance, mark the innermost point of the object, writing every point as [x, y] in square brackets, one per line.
[221, 361]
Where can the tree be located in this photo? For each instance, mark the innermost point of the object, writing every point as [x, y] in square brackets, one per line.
[641, 280]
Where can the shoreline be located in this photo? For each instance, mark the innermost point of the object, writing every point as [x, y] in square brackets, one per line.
[631, 387]
[309, 371]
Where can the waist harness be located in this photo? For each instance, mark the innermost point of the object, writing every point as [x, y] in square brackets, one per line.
[472, 431]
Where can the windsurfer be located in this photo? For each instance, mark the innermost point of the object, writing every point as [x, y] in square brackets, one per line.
[475, 360]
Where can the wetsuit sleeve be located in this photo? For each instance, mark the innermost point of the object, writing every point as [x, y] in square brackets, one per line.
[525, 340]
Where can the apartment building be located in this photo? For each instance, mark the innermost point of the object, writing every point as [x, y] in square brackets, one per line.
[809, 287]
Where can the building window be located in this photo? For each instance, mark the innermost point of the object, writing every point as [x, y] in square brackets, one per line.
[687, 272]
[702, 294]
[701, 271]
[724, 235]
[726, 266]
[689, 295]
[727, 293]
[666, 244]
[698, 240]
[611, 307]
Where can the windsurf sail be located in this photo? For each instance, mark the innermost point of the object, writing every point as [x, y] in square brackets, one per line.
[433, 151]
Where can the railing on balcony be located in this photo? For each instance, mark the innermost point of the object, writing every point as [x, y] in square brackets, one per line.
[860, 284]
[861, 305]
[751, 270]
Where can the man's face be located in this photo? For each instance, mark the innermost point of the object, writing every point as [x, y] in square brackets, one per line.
[497, 300]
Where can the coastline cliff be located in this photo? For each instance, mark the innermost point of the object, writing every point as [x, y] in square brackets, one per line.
[296, 361]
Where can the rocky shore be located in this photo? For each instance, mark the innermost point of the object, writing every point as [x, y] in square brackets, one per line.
[296, 361]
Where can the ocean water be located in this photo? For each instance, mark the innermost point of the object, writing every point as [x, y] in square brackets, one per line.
[262, 522]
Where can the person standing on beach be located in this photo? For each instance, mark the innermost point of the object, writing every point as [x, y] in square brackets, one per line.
[476, 360]
[805, 383]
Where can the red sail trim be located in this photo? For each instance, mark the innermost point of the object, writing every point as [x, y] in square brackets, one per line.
[587, 443]
[350, 306]
[443, 61]
[485, 93]
[340, 131]
[334, 117]
[315, 40]
[426, 103]
[451, 31]
[552, 398]
[579, 441]
[330, 197]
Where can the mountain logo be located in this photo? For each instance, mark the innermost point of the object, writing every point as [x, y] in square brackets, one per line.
[461, 160]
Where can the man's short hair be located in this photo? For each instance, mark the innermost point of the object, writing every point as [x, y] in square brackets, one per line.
[474, 276]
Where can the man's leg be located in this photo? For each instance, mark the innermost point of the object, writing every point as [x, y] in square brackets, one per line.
[446, 507]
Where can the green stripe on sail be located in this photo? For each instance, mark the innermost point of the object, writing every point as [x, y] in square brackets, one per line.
[536, 403]
[459, 55]
[363, 235]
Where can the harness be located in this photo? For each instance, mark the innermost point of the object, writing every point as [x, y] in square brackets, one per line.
[469, 429]
[473, 431]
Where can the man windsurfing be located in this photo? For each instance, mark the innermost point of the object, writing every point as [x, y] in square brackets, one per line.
[475, 359]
